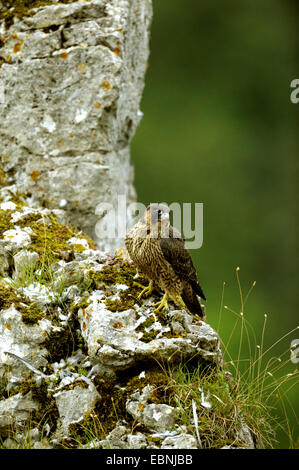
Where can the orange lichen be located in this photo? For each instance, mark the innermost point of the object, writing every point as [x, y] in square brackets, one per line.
[118, 324]
[35, 175]
[64, 55]
[117, 51]
[105, 85]
[97, 105]
[3, 179]
[17, 47]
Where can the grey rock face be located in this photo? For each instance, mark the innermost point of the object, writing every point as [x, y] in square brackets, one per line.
[158, 417]
[71, 83]
[121, 347]
[15, 411]
[181, 441]
[73, 404]
[24, 340]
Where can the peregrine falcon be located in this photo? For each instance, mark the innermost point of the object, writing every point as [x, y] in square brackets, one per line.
[158, 251]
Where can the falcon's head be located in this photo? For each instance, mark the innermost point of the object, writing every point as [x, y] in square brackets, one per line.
[156, 217]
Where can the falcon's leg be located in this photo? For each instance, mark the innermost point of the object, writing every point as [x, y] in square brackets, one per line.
[162, 304]
[146, 290]
[179, 302]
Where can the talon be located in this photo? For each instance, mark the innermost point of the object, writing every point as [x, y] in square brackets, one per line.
[179, 302]
[137, 284]
[146, 290]
[162, 304]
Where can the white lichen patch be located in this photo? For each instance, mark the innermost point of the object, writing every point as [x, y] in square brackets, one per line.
[9, 205]
[18, 237]
[40, 293]
[48, 123]
[78, 241]
[81, 115]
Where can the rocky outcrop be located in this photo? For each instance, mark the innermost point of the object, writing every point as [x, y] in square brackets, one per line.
[71, 79]
[80, 356]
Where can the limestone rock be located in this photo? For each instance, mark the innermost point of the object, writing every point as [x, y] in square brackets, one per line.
[113, 337]
[244, 435]
[73, 404]
[117, 438]
[137, 441]
[155, 417]
[75, 74]
[181, 441]
[24, 341]
[15, 412]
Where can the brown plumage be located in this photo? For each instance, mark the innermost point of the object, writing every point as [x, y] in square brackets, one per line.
[158, 251]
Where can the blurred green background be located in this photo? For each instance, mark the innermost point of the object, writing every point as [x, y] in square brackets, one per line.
[219, 128]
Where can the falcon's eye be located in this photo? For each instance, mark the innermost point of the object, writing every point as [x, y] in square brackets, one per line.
[159, 212]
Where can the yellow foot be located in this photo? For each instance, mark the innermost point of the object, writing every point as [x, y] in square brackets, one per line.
[162, 304]
[179, 302]
[146, 290]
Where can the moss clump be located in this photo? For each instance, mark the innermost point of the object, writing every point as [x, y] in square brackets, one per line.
[5, 221]
[152, 334]
[48, 411]
[120, 272]
[163, 391]
[61, 344]
[22, 8]
[76, 306]
[50, 237]
[147, 335]
[120, 305]
[31, 312]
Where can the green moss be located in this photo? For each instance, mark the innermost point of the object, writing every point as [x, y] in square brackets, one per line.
[82, 371]
[152, 334]
[47, 412]
[120, 272]
[71, 386]
[76, 306]
[61, 344]
[78, 248]
[22, 8]
[31, 312]
[5, 221]
[119, 305]
[155, 440]
[50, 237]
